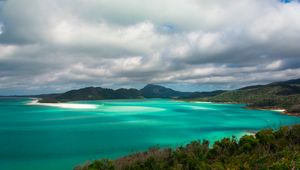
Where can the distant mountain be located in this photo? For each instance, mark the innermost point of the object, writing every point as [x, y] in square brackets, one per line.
[156, 91]
[285, 94]
[98, 93]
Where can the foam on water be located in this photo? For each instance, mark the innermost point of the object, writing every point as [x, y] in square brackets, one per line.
[132, 109]
[200, 107]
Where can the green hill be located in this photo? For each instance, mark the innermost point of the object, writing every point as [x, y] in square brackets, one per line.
[284, 95]
[99, 93]
[268, 149]
[156, 91]
[196, 95]
[94, 93]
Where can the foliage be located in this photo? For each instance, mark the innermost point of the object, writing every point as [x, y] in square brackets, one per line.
[294, 109]
[284, 95]
[93, 93]
[98, 93]
[156, 91]
[268, 149]
[196, 95]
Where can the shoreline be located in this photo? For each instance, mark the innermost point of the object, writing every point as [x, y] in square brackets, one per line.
[273, 108]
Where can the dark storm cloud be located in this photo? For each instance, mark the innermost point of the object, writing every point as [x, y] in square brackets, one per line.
[52, 45]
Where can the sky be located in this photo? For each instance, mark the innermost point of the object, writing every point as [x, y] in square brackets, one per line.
[190, 45]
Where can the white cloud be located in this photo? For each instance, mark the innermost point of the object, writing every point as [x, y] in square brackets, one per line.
[133, 42]
[274, 65]
[141, 37]
[6, 51]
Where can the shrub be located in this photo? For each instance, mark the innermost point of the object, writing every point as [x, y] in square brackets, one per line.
[277, 150]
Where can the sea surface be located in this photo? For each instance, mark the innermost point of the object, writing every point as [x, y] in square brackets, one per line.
[63, 136]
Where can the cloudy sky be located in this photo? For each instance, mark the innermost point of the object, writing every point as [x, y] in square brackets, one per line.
[56, 45]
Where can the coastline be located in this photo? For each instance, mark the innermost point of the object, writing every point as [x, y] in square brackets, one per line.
[270, 108]
[275, 109]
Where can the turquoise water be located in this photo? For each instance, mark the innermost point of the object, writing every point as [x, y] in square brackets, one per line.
[45, 137]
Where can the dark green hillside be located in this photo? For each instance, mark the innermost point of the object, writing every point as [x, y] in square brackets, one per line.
[268, 149]
[156, 91]
[98, 93]
[94, 93]
[196, 95]
[281, 95]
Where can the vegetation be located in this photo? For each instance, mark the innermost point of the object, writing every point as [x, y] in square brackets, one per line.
[98, 93]
[93, 93]
[284, 95]
[196, 95]
[294, 109]
[268, 149]
[156, 91]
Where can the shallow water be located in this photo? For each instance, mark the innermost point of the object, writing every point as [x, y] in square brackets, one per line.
[50, 137]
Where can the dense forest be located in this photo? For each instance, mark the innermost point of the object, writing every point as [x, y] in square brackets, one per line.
[267, 149]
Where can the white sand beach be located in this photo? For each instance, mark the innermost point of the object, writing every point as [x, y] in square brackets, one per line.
[279, 110]
[64, 105]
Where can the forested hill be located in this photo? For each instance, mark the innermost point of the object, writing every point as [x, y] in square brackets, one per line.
[156, 91]
[94, 93]
[98, 93]
[284, 95]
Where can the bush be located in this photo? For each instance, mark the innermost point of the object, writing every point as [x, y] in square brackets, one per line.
[247, 143]
[276, 150]
[265, 136]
